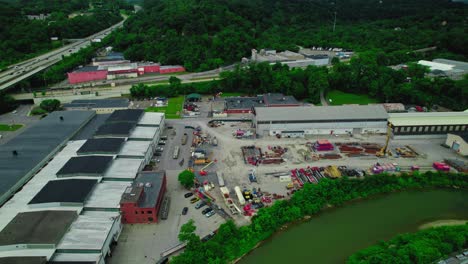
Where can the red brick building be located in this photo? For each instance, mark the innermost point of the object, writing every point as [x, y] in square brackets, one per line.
[87, 74]
[171, 69]
[141, 202]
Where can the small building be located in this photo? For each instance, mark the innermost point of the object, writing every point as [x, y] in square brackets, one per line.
[141, 202]
[123, 70]
[321, 120]
[171, 69]
[242, 105]
[428, 124]
[101, 106]
[458, 142]
[87, 74]
[446, 68]
[279, 100]
[111, 58]
[193, 97]
[394, 107]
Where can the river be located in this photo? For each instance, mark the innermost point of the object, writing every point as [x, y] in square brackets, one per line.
[335, 234]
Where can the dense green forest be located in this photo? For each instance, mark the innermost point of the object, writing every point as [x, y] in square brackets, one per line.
[425, 246]
[231, 242]
[203, 34]
[22, 38]
[365, 74]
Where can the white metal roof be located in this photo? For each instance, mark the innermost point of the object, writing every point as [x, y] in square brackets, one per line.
[122, 168]
[144, 132]
[106, 195]
[436, 65]
[429, 118]
[321, 113]
[68, 257]
[89, 231]
[151, 119]
[136, 148]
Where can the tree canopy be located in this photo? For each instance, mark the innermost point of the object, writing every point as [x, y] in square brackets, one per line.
[425, 246]
[50, 105]
[204, 34]
[186, 178]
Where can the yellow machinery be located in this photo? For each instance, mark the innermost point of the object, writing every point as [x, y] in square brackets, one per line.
[384, 151]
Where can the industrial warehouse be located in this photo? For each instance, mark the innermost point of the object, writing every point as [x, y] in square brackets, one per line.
[69, 210]
[114, 66]
[324, 120]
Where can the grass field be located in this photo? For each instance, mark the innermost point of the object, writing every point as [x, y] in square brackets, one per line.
[173, 109]
[4, 127]
[340, 98]
[232, 94]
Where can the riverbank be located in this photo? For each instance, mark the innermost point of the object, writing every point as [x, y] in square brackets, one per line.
[445, 222]
[382, 221]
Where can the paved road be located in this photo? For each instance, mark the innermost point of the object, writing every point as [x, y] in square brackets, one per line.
[322, 98]
[25, 69]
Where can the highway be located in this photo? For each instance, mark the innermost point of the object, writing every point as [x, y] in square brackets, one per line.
[20, 71]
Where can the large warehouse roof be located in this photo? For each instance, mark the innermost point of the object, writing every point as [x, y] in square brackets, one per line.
[115, 130]
[34, 146]
[85, 166]
[65, 191]
[128, 115]
[41, 227]
[321, 113]
[429, 118]
[101, 146]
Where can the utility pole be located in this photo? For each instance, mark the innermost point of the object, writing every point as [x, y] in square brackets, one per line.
[334, 23]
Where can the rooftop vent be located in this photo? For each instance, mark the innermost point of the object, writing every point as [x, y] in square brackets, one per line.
[15, 153]
[61, 118]
[140, 184]
[148, 185]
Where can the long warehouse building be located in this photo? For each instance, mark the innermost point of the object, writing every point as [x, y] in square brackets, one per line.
[320, 120]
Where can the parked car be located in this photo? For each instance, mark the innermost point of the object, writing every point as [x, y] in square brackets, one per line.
[200, 205]
[194, 200]
[163, 137]
[187, 195]
[207, 210]
[162, 142]
[184, 211]
[208, 237]
[210, 213]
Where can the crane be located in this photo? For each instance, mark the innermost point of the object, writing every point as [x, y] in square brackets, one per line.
[384, 150]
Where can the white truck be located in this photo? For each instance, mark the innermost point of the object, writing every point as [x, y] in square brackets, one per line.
[238, 191]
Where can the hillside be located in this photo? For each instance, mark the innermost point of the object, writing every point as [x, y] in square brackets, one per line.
[203, 34]
[21, 38]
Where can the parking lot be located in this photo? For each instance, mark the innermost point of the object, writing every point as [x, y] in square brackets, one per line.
[144, 243]
[18, 117]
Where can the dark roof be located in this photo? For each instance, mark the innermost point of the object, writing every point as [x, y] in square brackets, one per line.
[115, 129]
[243, 102]
[151, 192]
[86, 166]
[71, 262]
[128, 115]
[87, 69]
[193, 95]
[318, 56]
[34, 145]
[99, 103]
[65, 191]
[41, 227]
[111, 57]
[91, 127]
[463, 135]
[101, 146]
[24, 260]
[279, 99]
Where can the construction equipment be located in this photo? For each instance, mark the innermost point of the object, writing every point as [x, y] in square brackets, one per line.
[252, 177]
[202, 161]
[384, 151]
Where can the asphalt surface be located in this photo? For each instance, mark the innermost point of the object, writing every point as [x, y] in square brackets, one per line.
[20, 117]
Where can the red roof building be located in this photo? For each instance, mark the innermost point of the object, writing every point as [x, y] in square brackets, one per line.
[87, 74]
[142, 201]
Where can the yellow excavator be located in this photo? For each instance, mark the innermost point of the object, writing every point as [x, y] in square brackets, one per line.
[384, 151]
